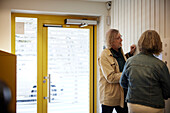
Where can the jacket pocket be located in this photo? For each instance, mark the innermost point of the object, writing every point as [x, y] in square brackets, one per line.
[113, 64]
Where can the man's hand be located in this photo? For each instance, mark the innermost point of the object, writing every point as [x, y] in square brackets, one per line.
[132, 49]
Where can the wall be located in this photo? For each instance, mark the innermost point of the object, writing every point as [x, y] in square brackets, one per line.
[133, 17]
[5, 29]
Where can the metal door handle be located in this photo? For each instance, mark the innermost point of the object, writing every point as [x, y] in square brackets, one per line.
[49, 87]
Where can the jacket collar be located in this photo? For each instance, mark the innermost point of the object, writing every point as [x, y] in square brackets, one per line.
[149, 54]
[110, 54]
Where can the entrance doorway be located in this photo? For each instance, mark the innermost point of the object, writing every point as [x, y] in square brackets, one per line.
[55, 67]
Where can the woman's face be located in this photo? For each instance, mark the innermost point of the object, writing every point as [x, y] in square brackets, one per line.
[117, 43]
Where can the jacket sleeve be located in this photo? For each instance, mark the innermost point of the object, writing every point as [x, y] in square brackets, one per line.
[165, 82]
[123, 78]
[108, 70]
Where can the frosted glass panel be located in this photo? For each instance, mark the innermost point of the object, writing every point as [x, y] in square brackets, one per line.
[68, 64]
[26, 51]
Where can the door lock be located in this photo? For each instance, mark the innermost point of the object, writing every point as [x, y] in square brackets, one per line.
[44, 81]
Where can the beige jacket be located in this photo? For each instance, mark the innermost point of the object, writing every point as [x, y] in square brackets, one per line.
[111, 93]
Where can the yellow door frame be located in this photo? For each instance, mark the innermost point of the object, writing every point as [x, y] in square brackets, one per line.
[42, 55]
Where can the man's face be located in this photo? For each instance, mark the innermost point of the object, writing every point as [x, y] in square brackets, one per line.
[117, 42]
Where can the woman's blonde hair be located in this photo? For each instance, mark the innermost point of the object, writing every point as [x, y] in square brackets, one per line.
[110, 35]
[150, 43]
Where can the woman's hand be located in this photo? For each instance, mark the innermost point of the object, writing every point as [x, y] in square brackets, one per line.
[132, 49]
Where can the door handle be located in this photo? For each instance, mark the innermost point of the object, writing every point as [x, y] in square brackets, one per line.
[49, 87]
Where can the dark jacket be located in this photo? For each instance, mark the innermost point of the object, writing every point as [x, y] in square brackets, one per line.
[147, 79]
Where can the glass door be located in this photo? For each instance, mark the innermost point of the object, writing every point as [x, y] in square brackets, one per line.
[68, 70]
[26, 51]
[55, 65]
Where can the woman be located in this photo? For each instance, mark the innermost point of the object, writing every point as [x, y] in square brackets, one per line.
[146, 77]
[111, 63]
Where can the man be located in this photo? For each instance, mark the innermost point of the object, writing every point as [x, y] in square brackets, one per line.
[111, 63]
